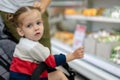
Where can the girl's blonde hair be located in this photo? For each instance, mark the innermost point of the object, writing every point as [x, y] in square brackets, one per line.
[20, 11]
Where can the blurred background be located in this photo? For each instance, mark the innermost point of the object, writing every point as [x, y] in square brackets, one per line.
[94, 24]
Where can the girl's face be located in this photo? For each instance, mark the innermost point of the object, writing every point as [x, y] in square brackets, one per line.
[31, 25]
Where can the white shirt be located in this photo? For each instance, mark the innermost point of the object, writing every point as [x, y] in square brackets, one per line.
[11, 6]
[29, 50]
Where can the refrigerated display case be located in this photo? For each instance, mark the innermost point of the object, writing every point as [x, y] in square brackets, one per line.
[92, 66]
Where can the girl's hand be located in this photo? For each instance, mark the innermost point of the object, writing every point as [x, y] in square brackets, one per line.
[78, 53]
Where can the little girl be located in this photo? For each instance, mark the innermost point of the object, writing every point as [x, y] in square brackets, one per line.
[29, 52]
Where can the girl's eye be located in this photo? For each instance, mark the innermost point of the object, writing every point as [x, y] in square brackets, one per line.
[29, 26]
[38, 23]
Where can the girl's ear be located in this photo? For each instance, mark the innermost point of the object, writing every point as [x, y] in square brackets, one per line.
[20, 31]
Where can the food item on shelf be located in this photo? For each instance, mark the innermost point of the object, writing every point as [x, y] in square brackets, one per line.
[66, 37]
[100, 11]
[115, 56]
[113, 12]
[90, 12]
[85, 12]
[70, 12]
[105, 37]
[93, 12]
[111, 38]
[101, 43]
[102, 47]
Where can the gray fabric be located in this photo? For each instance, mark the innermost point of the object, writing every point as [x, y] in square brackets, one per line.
[6, 51]
[12, 5]
[3, 72]
[2, 35]
[7, 46]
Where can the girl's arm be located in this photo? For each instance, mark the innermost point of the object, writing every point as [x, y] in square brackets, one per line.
[60, 59]
[40, 53]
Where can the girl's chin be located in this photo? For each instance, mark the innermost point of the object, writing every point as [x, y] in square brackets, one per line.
[37, 39]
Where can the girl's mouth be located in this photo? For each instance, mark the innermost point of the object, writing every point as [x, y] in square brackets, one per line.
[36, 34]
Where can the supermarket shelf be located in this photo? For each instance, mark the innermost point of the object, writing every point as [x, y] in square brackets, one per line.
[56, 19]
[67, 3]
[93, 18]
[91, 67]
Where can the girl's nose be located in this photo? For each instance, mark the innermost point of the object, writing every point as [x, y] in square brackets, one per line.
[36, 27]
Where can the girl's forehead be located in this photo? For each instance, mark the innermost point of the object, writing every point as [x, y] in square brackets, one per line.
[29, 17]
[30, 14]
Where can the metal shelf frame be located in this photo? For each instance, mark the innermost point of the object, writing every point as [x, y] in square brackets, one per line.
[61, 3]
[93, 18]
